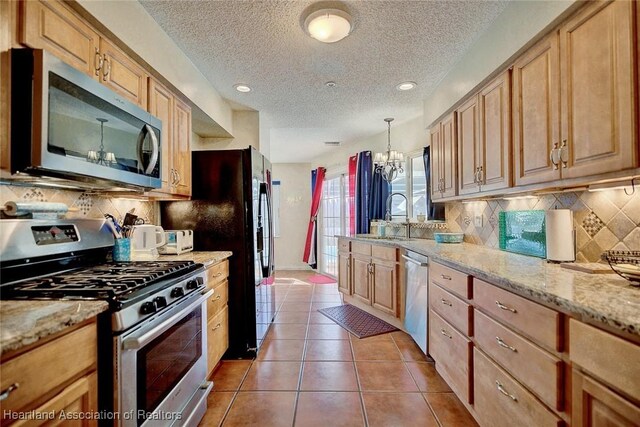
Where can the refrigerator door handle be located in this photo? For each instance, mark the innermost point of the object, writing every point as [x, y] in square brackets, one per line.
[270, 225]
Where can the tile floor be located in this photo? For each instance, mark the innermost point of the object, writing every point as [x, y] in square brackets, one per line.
[311, 372]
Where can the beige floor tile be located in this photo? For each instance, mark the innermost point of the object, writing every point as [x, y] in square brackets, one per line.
[292, 317]
[217, 405]
[385, 376]
[326, 332]
[272, 409]
[281, 350]
[375, 349]
[449, 411]
[270, 375]
[427, 378]
[343, 408]
[287, 331]
[398, 410]
[329, 376]
[230, 374]
[328, 350]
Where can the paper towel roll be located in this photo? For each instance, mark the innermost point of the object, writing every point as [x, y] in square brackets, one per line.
[37, 209]
[560, 235]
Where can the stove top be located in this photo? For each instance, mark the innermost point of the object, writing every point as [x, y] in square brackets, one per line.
[112, 281]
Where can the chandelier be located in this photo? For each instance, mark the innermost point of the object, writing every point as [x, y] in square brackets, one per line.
[391, 163]
[100, 156]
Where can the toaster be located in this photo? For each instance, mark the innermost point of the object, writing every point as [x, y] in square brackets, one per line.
[178, 242]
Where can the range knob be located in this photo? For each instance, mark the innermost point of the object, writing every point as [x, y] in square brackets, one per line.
[177, 292]
[161, 302]
[192, 284]
[148, 307]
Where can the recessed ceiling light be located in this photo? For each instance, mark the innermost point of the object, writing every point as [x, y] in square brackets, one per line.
[242, 88]
[406, 86]
[328, 25]
[330, 84]
[332, 143]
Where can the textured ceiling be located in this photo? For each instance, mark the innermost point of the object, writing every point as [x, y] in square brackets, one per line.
[262, 44]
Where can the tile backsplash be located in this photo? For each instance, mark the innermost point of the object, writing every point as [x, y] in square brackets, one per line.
[89, 204]
[603, 220]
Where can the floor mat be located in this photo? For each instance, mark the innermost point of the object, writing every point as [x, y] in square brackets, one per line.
[320, 279]
[357, 321]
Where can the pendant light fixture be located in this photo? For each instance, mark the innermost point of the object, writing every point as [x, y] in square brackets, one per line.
[391, 163]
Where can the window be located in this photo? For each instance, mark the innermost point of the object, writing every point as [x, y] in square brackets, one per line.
[412, 183]
[334, 220]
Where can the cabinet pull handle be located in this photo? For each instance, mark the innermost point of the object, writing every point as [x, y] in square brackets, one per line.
[504, 307]
[445, 277]
[552, 156]
[443, 332]
[177, 177]
[98, 62]
[445, 302]
[505, 345]
[218, 274]
[218, 297]
[107, 69]
[216, 327]
[563, 150]
[505, 392]
[8, 391]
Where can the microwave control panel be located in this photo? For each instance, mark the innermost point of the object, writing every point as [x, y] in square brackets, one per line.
[49, 235]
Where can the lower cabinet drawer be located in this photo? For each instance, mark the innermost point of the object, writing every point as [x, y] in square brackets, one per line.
[217, 272]
[218, 300]
[452, 352]
[217, 338]
[451, 308]
[501, 401]
[538, 370]
[45, 368]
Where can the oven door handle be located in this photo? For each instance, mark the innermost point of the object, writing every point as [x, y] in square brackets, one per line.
[137, 342]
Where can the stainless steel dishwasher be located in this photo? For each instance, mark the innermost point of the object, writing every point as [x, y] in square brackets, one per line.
[416, 269]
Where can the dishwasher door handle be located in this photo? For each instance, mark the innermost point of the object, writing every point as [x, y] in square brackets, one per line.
[413, 261]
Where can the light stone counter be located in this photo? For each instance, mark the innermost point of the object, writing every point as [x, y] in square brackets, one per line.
[203, 257]
[607, 299]
[25, 322]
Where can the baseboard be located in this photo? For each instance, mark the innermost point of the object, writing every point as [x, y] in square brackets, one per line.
[296, 268]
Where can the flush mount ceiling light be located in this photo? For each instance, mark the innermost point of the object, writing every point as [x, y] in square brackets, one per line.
[328, 25]
[242, 88]
[406, 86]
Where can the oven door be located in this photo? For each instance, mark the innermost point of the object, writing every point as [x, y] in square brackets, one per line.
[161, 374]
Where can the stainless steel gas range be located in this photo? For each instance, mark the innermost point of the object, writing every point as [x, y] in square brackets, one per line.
[152, 342]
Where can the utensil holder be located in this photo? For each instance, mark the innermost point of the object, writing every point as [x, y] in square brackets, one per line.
[122, 249]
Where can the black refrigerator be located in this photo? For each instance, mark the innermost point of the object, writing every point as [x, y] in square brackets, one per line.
[231, 210]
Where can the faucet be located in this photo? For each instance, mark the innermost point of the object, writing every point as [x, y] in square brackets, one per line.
[389, 217]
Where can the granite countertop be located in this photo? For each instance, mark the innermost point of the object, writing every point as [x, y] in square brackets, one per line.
[603, 298]
[203, 257]
[25, 322]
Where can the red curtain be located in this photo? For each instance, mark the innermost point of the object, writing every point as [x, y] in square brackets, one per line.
[309, 250]
[353, 166]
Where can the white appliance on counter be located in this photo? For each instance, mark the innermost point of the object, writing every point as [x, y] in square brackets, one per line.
[177, 242]
[417, 298]
[145, 241]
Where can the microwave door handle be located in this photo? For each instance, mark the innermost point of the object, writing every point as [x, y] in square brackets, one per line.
[139, 341]
[147, 130]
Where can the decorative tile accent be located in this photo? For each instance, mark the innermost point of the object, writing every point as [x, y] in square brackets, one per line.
[603, 220]
[592, 224]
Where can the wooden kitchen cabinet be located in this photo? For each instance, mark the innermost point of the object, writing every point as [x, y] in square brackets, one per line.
[484, 138]
[122, 75]
[217, 313]
[344, 272]
[385, 287]
[52, 26]
[595, 405]
[70, 385]
[361, 265]
[598, 88]
[181, 148]
[536, 113]
[176, 141]
[443, 158]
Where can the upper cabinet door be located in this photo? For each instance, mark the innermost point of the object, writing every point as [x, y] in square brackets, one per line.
[435, 137]
[598, 111]
[468, 144]
[495, 134]
[52, 26]
[161, 106]
[122, 74]
[448, 160]
[536, 113]
[181, 153]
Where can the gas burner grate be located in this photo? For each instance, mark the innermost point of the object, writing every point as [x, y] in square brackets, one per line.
[108, 281]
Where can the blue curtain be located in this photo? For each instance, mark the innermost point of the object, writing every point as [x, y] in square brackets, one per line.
[380, 190]
[435, 211]
[363, 190]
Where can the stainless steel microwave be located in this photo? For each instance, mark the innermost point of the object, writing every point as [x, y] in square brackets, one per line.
[65, 124]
